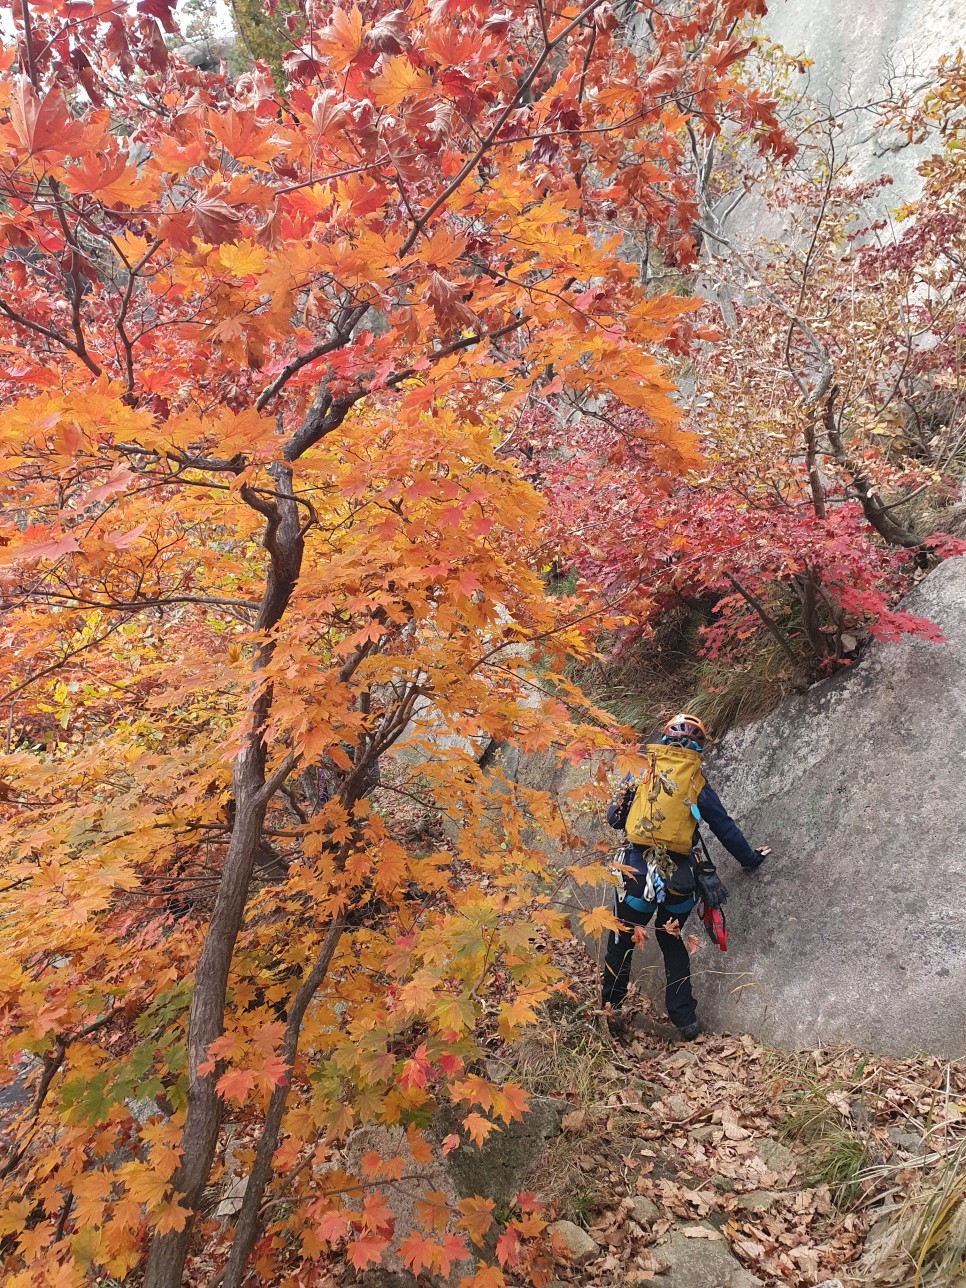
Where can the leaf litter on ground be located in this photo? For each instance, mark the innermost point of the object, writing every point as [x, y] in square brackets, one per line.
[791, 1158]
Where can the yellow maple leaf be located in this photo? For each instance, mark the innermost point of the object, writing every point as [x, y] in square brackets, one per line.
[13, 1216]
[476, 1217]
[597, 920]
[169, 1217]
[398, 79]
[242, 259]
[143, 1183]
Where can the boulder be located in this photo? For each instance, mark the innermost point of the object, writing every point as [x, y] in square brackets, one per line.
[644, 1210]
[14, 1096]
[500, 1167]
[203, 53]
[853, 930]
[572, 1242]
[424, 1181]
[757, 1200]
[701, 1263]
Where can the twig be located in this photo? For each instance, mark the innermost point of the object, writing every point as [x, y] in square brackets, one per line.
[755, 603]
[473, 161]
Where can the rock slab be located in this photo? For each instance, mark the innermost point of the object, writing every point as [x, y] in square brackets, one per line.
[855, 929]
[573, 1242]
[701, 1263]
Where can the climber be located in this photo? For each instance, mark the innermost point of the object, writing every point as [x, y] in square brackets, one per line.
[666, 869]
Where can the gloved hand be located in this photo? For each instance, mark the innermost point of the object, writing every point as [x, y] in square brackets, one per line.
[713, 889]
[760, 856]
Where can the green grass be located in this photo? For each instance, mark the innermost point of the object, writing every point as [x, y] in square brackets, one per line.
[837, 1160]
[837, 1152]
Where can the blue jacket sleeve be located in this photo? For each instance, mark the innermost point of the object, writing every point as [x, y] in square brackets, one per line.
[724, 827]
[620, 806]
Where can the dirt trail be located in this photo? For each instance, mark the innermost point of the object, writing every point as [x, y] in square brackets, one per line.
[726, 1162]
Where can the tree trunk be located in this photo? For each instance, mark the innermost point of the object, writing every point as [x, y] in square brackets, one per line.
[875, 512]
[167, 1252]
[249, 1223]
[284, 542]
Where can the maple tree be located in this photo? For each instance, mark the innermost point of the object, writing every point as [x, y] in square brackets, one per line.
[266, 349]
[831, 413]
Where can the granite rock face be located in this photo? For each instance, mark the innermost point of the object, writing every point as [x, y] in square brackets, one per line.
[860, 52]
[855, 929]
[701, 1263]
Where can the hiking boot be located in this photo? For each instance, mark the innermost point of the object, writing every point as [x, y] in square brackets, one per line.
[690, 1031]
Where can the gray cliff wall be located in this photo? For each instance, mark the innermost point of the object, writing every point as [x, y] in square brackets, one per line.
[855, 929]
[858, 50]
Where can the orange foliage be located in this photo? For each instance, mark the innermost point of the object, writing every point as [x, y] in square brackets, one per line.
[260, 533]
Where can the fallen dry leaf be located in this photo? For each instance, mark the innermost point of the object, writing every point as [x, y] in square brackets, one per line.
[574, 1121]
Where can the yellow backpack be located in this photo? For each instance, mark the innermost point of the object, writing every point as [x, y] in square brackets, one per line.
[661, 813]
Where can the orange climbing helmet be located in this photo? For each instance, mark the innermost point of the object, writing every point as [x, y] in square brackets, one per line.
[685, 730]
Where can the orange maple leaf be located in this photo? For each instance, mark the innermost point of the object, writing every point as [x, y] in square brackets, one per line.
[377, 1215]
[271, 1073]
[476, 1217]
[107, 177]
[509, 1248]
[169, 1217]
[432, 1210]
[341, 41]
[478, 1127]
[398, 79]
[241, 135]
[421, 1151]
[453, 1250]
[369, 1248]
[44, 124]
[419, 1253]
[485, 1277]
[236, 1084]
[332, 1227]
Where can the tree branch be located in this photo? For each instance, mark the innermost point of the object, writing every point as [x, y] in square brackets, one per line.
[873, 509]
[343, 333]
[755, 603]
[51, 1064]
[28, 41]
[472, 162]
[824, 376]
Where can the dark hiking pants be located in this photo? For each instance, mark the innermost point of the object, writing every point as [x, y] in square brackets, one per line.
[632, 911]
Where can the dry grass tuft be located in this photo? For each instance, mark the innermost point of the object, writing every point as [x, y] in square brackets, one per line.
[663, 672]
[568, 1059]
[923, 1244]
